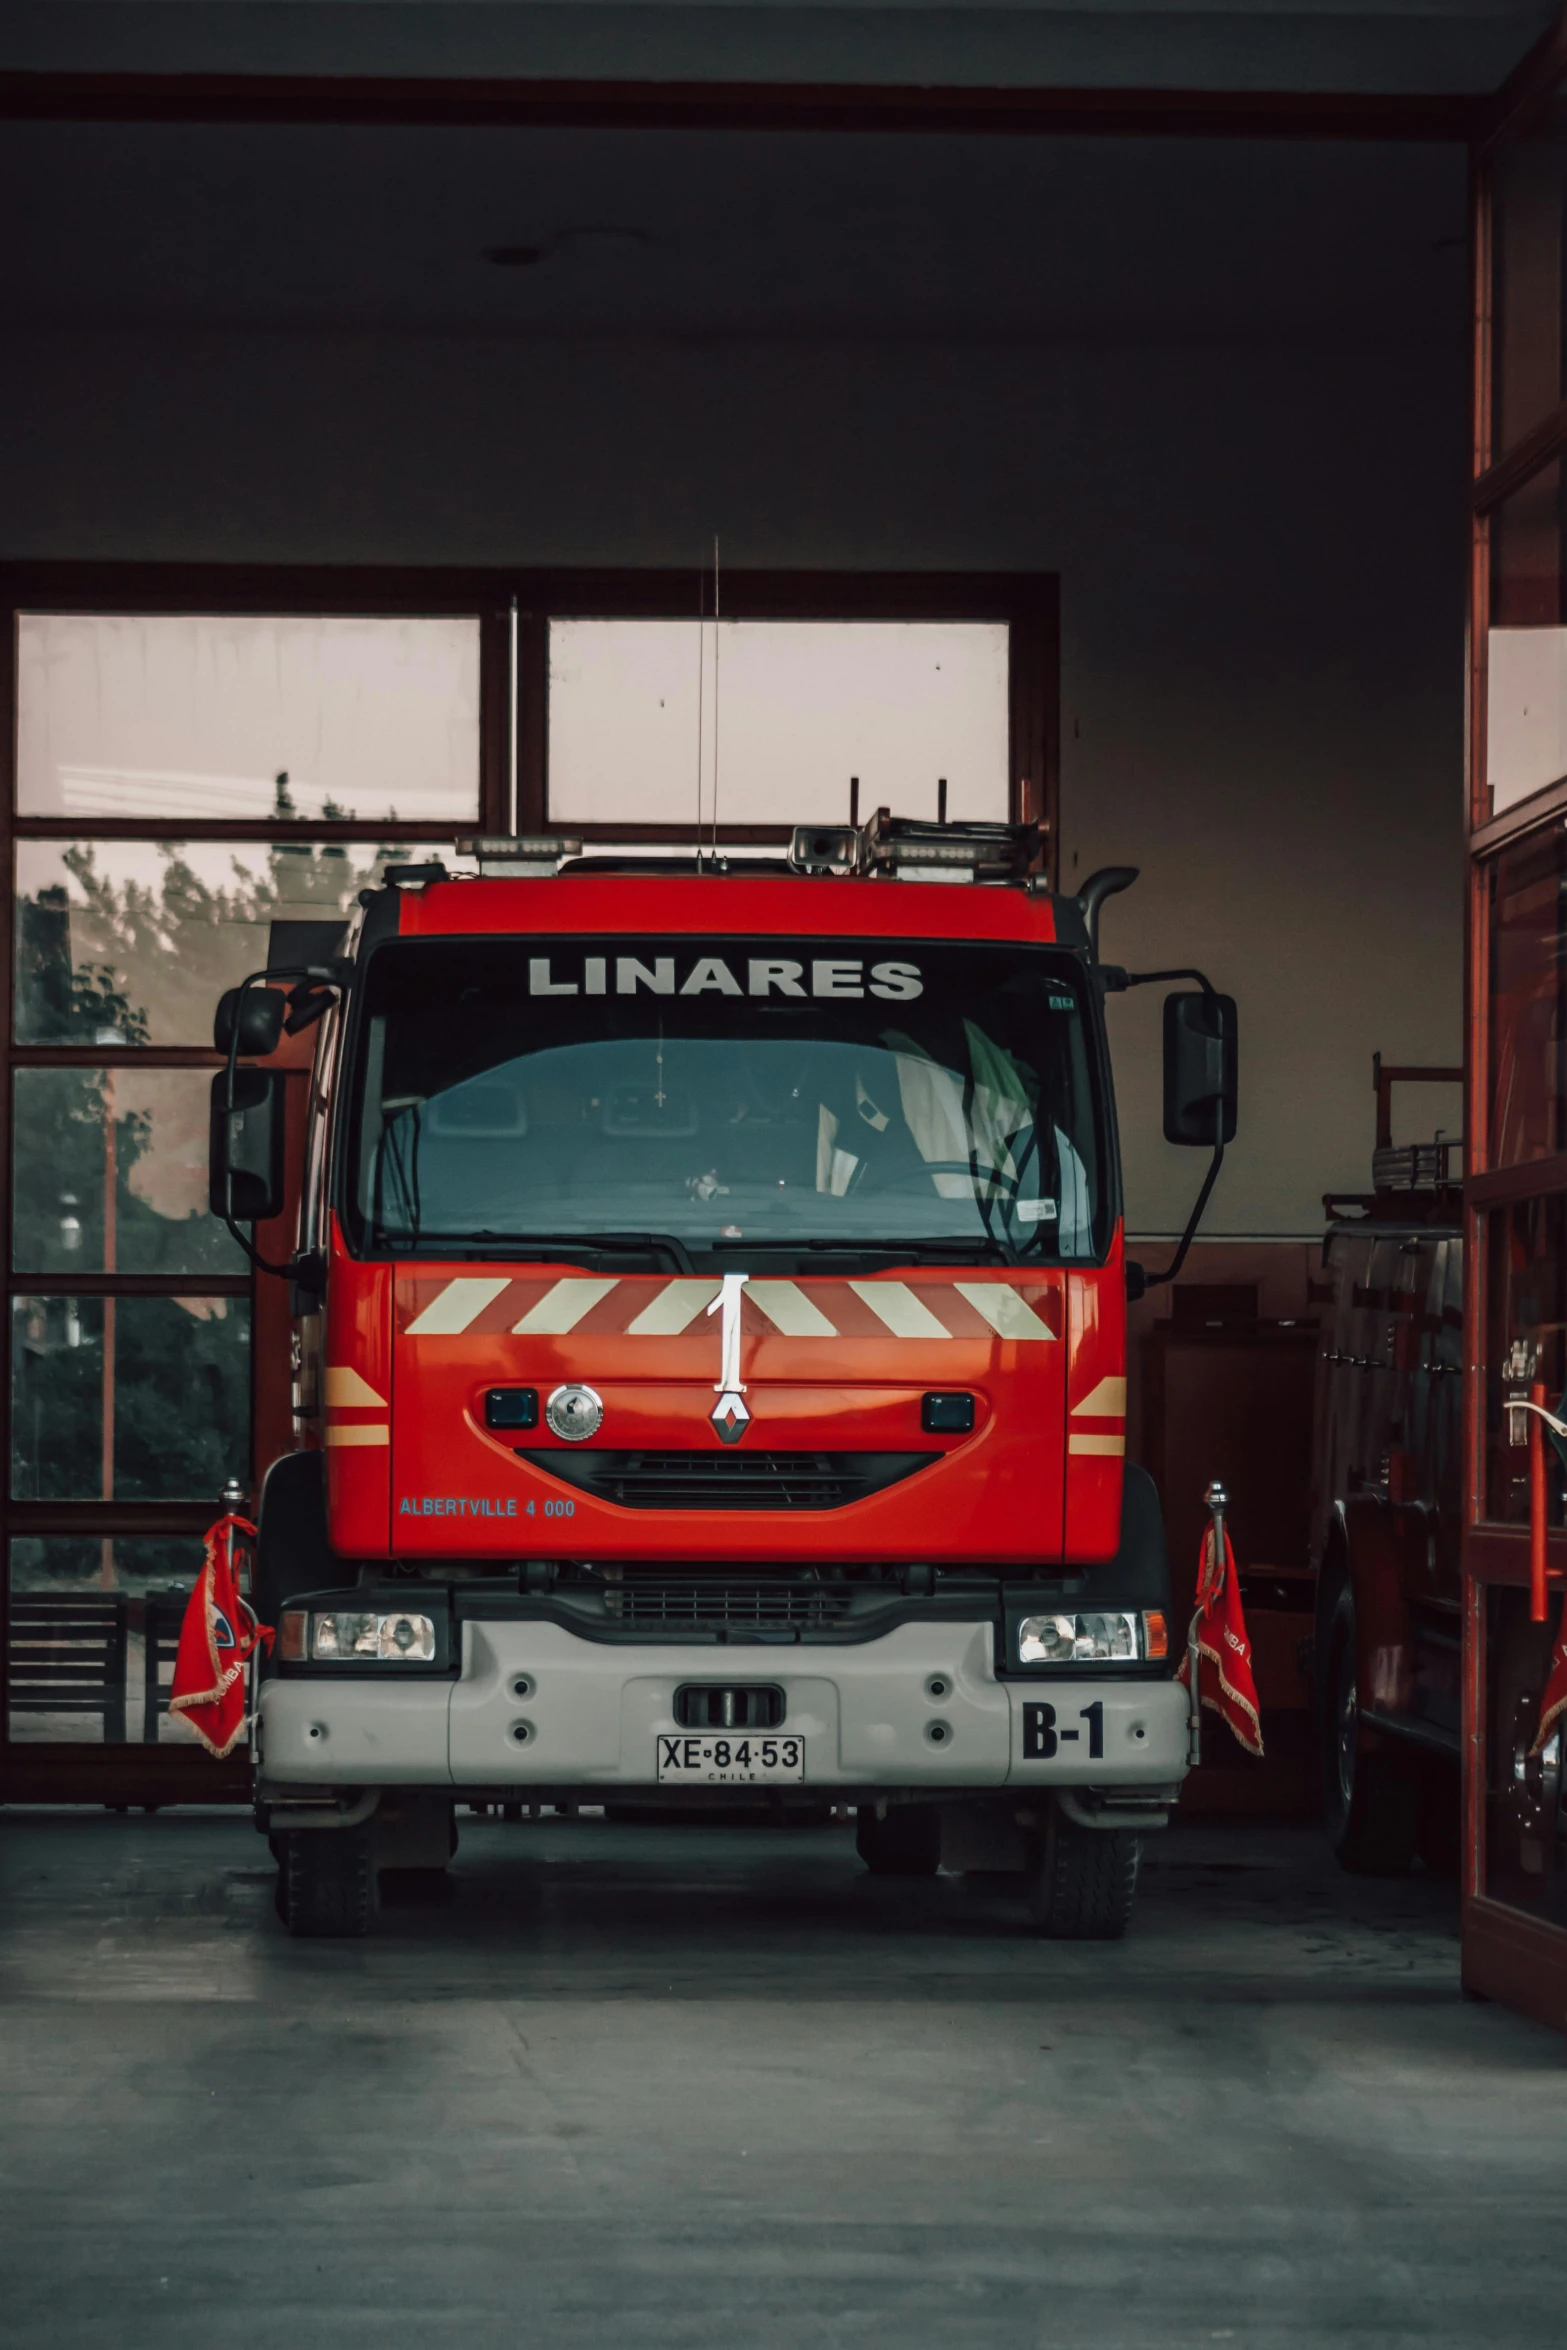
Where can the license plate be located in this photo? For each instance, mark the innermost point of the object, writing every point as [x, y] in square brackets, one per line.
[736, 1758]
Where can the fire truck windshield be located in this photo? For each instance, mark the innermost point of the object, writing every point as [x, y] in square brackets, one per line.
[802, 1094]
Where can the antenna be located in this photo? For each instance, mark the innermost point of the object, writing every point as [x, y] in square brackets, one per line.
[715, 696]
[941, 799]
[701, 682]
[854, 803]
[511, 722]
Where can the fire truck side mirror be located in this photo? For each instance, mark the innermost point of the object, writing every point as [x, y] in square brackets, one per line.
[1201, 1062]
[260, 1020]
[246, 1145]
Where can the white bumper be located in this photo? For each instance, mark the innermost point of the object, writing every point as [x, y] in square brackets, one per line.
[538, 1706]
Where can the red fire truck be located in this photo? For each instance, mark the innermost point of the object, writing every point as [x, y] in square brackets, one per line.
[710, 1341]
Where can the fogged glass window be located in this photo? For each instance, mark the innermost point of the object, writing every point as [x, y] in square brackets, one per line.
[128, 1398]
[132, 942]
[1528, 999]
[789, 711]
[1526, 1339]
[1528, 218]
[94, 1625]
[209, 716]
[1526, 645]
[1525, 1820]
[110, 1174]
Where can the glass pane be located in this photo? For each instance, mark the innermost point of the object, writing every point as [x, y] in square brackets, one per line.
[885, 1093]
[1528, 1014]
[110, 1174]
[1526, 646]
[1526, 1339]
[789, 711]
[93, 1629]
[1525, 1824]
[1529, 206]
[132, 942]
[130, 1398]
[218, 715]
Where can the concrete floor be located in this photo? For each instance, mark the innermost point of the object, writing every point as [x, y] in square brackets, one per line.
[720, 2090]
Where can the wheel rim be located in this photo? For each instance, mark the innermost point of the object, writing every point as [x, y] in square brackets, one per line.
[1348, 1733]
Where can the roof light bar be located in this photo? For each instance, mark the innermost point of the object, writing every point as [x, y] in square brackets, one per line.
[518, 852]
[888, 844]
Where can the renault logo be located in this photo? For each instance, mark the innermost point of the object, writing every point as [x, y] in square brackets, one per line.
[574, 1413]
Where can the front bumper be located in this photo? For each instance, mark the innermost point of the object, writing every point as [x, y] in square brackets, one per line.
[536, 1706]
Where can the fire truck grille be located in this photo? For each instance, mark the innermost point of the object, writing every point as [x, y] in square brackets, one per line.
[706, 1603]
[729, 1480]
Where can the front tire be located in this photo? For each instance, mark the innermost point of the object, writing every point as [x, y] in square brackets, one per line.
[904, 1842]
[1083, 1882]
[327, 1883]
[1370, 1800]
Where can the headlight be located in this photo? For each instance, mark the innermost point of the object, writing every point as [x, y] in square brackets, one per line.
[395, 1638]
[1105, 1637]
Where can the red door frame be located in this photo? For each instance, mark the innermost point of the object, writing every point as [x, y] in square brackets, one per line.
[1507, 1953]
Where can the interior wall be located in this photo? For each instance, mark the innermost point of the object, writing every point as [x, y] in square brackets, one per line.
[1261, 556]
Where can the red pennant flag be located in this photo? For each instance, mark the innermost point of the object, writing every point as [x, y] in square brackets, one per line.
[1224, 1678]
[1554, 1703]
[217, 1638]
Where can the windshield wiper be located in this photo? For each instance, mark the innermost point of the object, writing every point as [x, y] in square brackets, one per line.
[577, 1243]
[956, 1251]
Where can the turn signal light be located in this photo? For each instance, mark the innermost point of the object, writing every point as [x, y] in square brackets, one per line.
[1156, 1636]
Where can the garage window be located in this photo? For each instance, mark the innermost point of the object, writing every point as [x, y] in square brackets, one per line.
[200, 776]
[185, 781]
[223, 716]
[766, 722]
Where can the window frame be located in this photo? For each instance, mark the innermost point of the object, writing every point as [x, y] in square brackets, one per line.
[1027, 603]
[514, 608]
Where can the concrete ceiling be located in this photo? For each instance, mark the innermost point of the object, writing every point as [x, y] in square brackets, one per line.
[1429, 46]
[731, 234]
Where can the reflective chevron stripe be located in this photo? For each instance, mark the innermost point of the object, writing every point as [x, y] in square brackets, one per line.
[562, 1307]
[674, 1309]
[452, 1309]
[346, 1391]
[902, 1309]
[1009, 1314]
[791, 1312]
[379, 1434]
[895, 1303]
[1106, 1402]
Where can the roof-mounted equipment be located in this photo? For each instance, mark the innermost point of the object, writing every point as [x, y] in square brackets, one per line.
[519, 855]
[904, 846]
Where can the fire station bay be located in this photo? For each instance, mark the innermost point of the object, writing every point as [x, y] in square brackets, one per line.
[785, 1155]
